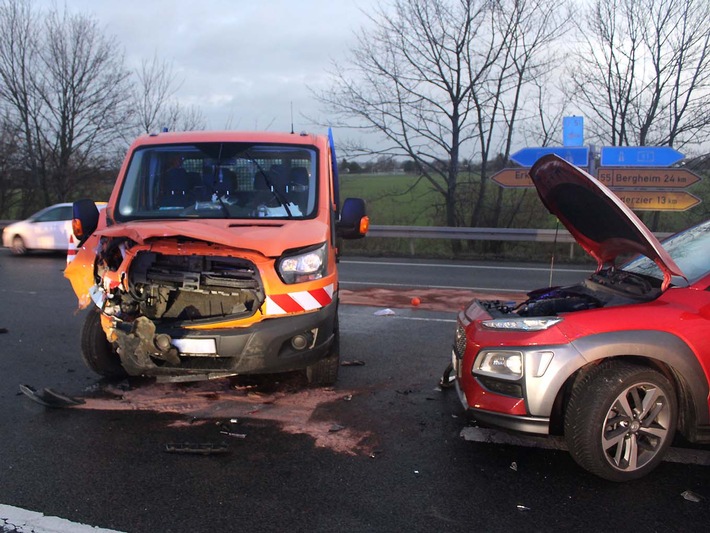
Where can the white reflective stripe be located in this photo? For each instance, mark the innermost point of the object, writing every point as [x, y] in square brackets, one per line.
[329, 290]
[305, 300]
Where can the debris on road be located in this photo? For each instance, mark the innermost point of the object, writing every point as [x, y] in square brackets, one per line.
[449, 378]
[384, 312]
[3, 330]
[514, 466]
[226, 429]
[197, 448]
[355, 362]
[691, 496]
[335, 428]
[522, 508]
[49, 397]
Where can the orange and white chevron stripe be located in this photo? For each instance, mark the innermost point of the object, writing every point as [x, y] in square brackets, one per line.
[298, 302]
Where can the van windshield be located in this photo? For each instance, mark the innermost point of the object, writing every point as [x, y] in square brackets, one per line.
[219, 180]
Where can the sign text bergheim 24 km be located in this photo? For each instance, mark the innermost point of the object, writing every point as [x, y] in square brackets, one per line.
[666, 178]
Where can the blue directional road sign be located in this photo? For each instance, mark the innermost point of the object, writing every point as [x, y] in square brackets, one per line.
[576, 155]
[639, 156]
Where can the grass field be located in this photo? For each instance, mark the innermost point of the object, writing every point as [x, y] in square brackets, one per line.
[403, 200]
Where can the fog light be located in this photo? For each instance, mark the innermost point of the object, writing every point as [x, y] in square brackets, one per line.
[299, 342]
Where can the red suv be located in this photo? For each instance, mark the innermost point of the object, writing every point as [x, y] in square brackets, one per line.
[617, 363]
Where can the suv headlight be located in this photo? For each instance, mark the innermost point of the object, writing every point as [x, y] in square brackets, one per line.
[500, 364]
[304, 266]
[521, 323]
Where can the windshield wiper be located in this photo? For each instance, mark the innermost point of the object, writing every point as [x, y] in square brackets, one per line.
[274, 190]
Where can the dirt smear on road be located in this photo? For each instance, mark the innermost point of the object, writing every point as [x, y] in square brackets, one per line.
[429, 299]
[292, 406]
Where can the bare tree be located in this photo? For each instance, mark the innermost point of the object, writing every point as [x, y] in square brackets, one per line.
[155, 103]
[441, 80]
[525, 31]
[409, 80]
[83, 87]
[12, 171]
[643, 72]
[19, 59]
[65, 83]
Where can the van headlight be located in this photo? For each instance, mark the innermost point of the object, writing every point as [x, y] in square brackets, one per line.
[304, 266]
[499, 364]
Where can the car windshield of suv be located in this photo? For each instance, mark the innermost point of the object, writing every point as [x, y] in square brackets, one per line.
[689, 249]
[219, 180]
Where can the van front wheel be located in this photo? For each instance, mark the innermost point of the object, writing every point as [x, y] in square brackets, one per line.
[97, 352]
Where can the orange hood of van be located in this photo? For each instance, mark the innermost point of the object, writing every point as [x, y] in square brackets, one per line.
[270, 238]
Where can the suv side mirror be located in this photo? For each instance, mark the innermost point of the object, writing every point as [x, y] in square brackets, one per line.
[85, 219]
[354, 222]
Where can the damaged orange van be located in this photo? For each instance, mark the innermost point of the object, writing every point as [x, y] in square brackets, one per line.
[216, 256]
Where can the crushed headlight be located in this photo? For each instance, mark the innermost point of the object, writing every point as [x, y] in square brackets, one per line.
[500, 364]
[521, 323]
[305, 266]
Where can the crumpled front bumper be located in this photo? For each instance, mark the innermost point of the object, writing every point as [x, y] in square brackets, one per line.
[261, 348]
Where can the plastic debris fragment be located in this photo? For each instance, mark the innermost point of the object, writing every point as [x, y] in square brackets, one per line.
[49, 397]
[198, 448]
[691, 496]
[384, 312]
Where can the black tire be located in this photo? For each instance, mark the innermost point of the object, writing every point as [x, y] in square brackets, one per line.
[97, 352]
[324, 373]
[17, 246]
[609, 430]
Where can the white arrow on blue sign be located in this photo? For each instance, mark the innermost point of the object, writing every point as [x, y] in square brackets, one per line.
[639, 156]
[576, 155]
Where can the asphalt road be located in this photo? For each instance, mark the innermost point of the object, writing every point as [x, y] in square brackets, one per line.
[381, 451]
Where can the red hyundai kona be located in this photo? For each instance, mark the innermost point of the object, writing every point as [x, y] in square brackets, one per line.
[617, 363]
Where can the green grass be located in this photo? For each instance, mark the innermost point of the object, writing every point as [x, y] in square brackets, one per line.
[404, 200]
[400, 199]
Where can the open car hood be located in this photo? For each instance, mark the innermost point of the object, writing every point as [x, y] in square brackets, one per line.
[599, 221]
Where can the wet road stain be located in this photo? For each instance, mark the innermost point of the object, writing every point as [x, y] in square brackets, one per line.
[288, 402]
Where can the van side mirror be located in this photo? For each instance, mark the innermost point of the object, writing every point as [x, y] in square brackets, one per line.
[354, 222]
[85, 219]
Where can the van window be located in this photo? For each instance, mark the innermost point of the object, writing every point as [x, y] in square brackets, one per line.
[220, 180]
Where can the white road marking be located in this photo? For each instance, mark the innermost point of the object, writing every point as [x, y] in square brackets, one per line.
[24, 521]
[471, 267]
[492, 436]
[411, 285]
[396, 317]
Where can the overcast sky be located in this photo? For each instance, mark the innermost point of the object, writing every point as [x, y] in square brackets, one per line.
[242, 62]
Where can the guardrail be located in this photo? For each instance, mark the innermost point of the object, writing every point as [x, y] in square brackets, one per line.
[471, 234]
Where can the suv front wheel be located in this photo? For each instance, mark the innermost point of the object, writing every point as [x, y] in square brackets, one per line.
[620, 420]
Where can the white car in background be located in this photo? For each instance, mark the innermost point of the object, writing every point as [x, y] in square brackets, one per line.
[48, 229]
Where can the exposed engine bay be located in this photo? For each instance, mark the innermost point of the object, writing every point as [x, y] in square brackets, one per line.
[606, 288]
[177, 287]
[142, 290]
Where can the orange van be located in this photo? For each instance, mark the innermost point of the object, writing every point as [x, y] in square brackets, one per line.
[216, 256]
